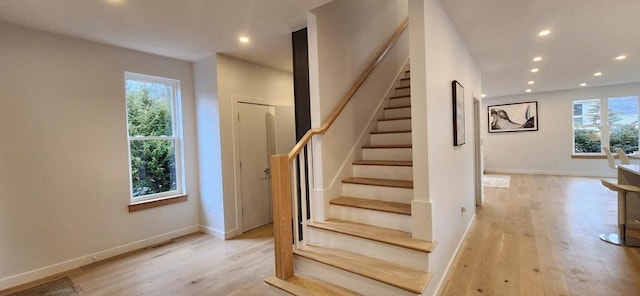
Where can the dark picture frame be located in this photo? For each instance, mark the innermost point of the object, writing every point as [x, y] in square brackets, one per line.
[458, 113]
[514, 117]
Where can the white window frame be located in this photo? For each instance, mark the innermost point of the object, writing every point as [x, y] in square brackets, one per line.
[176, 119]
[604, 126]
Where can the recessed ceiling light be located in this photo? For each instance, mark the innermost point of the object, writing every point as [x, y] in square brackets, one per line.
[484, 96]
[544, 33]
[528, 90]
[597, 74]
[531, 82]
[621, 57]
[115, 1]
[244, 39]
[534, 70]
[583, 84]
[537, 59]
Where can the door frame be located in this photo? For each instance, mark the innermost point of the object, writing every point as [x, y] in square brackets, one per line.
[477, 151]
[237, 178]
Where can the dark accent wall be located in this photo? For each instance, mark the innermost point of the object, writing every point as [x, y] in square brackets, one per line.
[301, 82]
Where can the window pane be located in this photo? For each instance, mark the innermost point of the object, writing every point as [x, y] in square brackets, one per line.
[589, 112]
[153, 166]
[149, 108]
[587, 140]
[623, 110]
[623, 118]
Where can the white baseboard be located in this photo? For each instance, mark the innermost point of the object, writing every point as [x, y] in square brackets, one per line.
[599, 174]
[64, 266]
[447, 273]
[219, 234]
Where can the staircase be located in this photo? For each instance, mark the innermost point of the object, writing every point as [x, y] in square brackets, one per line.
[366, 247]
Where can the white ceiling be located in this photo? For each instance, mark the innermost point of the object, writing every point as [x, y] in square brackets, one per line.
[586, 36]
[501, 34]
[182, 29]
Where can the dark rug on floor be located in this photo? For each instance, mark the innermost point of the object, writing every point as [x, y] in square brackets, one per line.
[59, 287]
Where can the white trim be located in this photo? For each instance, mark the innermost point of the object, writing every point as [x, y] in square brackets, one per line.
[68, 265]
[557, 173]
[442, 284]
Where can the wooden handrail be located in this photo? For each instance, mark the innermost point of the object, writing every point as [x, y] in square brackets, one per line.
[347, 98]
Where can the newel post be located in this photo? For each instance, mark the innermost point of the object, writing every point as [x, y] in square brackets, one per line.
[282, 217]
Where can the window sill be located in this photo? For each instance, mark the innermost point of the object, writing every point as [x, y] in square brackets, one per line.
[588, 156]
[154, 203]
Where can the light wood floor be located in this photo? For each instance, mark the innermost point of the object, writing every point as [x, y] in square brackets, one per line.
[196, 264]
[539, 237]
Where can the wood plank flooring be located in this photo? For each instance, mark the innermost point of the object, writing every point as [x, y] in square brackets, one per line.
[196, 264]
[540, 237]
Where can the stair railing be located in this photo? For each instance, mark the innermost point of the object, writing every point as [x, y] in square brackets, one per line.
[286, 231]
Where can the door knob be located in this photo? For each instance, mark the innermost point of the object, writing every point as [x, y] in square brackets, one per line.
[267, 171]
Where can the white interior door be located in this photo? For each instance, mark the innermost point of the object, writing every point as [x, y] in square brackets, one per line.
[255, 123]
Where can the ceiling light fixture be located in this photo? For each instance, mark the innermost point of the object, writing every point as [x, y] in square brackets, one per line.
[583, 84]
[528, 90]
[621, 57]
[597, 74]
[544, 33]
[534, 70]
[531, 82]
[537, 59]
[484, 96]
[243, 39]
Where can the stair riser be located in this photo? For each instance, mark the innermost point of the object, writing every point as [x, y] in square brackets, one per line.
[399, 255]
[405, 82]
[407, 74]
[405, 91]
[273, 291]
[394, 125]
[345, 279]
[389, 139]
[398, 112]
[387, 154]
[383, 172]
[392, 194]
[371, 217]
[400, 102]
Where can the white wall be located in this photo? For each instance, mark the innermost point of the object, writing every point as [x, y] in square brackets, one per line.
[220, 82]
[548, 150]
[447, 170]
[344, 37]
[64, 178]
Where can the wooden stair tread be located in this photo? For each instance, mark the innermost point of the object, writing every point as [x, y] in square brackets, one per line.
[379, 182]
[384, 162]
[401, 277]
[397, 107]
[395, 118]
[373, 204]
[300, 285]
[375, 233]
[391, 132]
[399, 97]
[387, 146]
[406, 86]
[407, 78]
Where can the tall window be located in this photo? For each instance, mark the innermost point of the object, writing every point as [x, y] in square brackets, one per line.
[154, 136]
[610, 122]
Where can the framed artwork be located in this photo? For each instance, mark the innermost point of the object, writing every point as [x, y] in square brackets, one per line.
[516, 117]
[458, 113]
